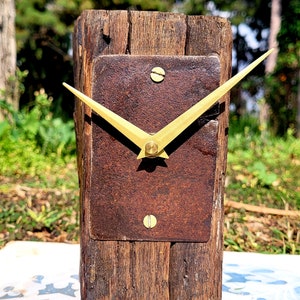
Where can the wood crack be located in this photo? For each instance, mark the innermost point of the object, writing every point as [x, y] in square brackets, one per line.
[128, 50]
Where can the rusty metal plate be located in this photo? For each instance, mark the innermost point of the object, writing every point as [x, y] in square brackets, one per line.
[178, 191]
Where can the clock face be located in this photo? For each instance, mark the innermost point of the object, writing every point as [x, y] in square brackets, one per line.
[153, 199]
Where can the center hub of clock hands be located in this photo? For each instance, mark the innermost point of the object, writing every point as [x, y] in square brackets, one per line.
[151, 148]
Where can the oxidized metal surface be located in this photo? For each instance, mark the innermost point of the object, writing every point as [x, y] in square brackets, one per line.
[178, 192]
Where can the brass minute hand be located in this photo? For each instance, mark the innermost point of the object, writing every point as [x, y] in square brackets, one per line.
[167, 134]
[132, 132]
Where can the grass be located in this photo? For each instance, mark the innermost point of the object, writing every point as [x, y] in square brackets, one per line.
[39, 194]
[39, 191]
[263, 171]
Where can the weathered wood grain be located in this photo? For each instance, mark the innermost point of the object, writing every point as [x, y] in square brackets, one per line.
[148, 270]
[199, 266]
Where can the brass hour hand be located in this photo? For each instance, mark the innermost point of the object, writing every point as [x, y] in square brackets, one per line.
[132, 132]
[166, 135]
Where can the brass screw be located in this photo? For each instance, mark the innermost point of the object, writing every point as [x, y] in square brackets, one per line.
[151, 148]
[157, 74]
[150, 221]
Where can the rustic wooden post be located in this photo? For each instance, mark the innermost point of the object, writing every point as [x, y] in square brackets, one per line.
[163, 263]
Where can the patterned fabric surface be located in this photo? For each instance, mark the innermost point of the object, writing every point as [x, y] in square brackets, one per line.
[49, 271]
[252, 276]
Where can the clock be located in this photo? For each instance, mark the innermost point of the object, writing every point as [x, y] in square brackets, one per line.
[154, 145]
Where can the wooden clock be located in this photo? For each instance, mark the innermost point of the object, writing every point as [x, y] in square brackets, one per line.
[151, 131]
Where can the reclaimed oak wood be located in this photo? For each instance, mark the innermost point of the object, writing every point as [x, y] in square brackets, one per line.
[148, 270]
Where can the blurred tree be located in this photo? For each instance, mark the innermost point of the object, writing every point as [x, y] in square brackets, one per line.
[44, 42]
[283, 84]
[274, 29]
[275, 23]
[7, 54]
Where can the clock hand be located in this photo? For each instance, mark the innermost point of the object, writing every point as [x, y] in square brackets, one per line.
[132, 132]
[167, 134]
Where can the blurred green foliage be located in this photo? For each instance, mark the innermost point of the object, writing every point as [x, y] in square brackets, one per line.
[35, 123]
[262, 169]
[33, 214]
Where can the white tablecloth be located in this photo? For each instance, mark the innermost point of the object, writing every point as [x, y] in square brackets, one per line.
[49, 271]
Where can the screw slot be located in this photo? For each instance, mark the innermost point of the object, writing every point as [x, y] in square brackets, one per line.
[149, 221]
[157, 74]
